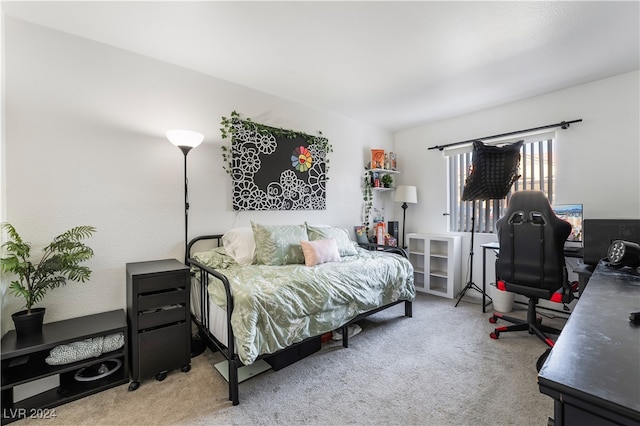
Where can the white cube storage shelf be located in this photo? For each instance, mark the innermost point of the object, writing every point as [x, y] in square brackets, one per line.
[436, 263]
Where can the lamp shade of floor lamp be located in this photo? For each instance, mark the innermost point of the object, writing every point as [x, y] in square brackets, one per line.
[186, 140]
[406, 195]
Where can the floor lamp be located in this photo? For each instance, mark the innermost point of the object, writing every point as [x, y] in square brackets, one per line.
[186, 140]
[405, 194]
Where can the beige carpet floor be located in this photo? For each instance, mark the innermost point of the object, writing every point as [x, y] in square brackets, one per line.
[438, 368]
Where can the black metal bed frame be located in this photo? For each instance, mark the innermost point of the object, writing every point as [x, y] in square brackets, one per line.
[228, 350]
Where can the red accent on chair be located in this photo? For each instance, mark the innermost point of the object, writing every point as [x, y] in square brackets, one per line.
[556, 297]
[575, 286]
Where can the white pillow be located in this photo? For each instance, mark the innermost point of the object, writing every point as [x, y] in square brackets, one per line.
[239, 244]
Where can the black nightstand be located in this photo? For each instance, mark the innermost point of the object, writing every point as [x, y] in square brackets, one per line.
[23, 362]
[159, 318]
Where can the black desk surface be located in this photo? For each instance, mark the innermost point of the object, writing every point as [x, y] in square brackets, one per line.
[596, 358]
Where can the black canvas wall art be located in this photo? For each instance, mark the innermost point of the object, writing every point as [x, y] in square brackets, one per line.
[275, 169]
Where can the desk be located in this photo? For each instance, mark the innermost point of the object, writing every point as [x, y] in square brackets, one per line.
[593, 372]
[496, 247]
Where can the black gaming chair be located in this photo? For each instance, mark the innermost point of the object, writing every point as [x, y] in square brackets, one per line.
[531, 260]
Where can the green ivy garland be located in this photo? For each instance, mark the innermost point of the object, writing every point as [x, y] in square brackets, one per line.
[367, 197]
[228, 130]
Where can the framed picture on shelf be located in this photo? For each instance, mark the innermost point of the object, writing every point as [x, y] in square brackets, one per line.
[377, 158]
[375, 179]
[390, 241]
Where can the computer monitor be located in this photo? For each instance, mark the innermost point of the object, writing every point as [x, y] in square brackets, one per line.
[572, 213]
[600, 233]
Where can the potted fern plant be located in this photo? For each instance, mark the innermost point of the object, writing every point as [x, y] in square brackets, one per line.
[60, 261]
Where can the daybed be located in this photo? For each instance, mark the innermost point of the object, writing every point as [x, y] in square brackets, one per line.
[266, 289]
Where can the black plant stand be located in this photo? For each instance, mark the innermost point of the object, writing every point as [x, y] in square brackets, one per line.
[23, 361]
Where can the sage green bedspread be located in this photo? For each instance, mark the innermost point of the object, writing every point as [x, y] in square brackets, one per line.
[276, 306]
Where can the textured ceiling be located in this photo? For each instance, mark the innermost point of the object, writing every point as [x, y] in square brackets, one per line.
[391, 64]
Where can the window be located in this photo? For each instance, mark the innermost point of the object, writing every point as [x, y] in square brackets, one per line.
[537, 163]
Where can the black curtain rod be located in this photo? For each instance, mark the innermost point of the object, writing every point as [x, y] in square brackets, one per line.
[563, 124]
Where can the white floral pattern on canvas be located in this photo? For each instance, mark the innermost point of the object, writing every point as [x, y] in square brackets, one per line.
[275, 172]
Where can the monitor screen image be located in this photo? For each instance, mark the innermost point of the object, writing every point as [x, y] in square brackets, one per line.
[572, 213]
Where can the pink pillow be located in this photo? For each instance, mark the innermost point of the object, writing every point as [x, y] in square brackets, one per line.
[320, 251]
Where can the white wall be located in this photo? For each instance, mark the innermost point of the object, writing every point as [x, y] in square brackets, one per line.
[84, 142]
[597, 160]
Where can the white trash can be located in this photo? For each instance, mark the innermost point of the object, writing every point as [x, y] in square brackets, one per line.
[502, 300]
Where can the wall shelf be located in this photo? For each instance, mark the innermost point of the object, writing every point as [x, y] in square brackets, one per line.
[384, 171]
